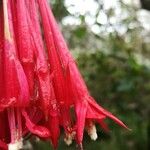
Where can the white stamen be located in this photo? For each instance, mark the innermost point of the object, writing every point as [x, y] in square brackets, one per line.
[69, 138]
[68, 141]
[92, 132]
[16, 146]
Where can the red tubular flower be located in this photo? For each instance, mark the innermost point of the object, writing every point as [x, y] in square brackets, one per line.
[16, 87]
[28, 50]
[80, 95]
[55, 67]
[14, 78]
[41, 88]
[14, 75]
[47, 94]
[24, 43]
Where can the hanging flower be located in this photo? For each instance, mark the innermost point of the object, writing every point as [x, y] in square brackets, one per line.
[41, 89]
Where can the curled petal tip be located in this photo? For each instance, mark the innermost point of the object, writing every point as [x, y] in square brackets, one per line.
[41, 131]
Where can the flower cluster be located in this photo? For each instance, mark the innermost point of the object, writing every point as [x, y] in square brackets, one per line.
[41, 89]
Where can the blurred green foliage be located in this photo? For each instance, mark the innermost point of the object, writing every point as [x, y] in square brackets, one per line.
[116, 68]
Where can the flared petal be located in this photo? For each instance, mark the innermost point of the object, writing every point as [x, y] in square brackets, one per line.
[105, 112]
[35, 129]
[53, 125]
[81, 110]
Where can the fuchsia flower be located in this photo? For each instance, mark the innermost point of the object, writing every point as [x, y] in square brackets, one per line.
[41, 89]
